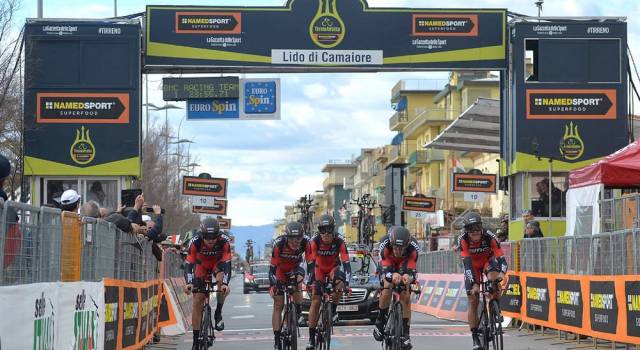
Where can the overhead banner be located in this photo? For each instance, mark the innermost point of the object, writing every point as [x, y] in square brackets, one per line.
[423, 204]
[81, 103]
[323, 35]
[484, 183]
[214, 187]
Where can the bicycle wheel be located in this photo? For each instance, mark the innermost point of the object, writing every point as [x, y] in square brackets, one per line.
[496, 325]
[205, 327]
[484, 328]
[326, 316]
[399, 328]
[292, 328]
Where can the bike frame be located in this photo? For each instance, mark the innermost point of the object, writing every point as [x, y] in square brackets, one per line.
[288, 339]
[490, 315]
[323, 335]
[206, 325]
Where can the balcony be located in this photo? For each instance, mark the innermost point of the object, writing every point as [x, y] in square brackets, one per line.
[398, 121]
[360, 178]
[417, 85]
[424, 157]
[425, 117]
[396, 156]
[347, 184]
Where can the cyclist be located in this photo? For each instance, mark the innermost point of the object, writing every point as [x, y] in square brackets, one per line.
[398, 260]
[480, 251]
[285, 262]
[208, 252]
[328, 251]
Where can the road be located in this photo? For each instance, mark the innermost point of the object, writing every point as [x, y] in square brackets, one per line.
[248, 319]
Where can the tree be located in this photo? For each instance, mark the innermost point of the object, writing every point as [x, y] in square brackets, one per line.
[11, 95]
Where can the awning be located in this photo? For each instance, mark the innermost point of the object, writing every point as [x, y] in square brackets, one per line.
[477, 129]
[397, 140]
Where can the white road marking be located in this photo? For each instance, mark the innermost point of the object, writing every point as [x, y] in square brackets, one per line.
[242, 316]
[241, 306]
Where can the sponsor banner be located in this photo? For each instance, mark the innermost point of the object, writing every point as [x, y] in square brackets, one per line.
[445, 25]
[219, 207]
[438, 292]
[112, 303]
[170, 318]
[425, 204]
[485, 183]
[180, 89]
[220, 108]
[55, 315]
[214, 187]
[318, 35]
[86, 108]
[225, 224]
[569, 303]
[603, 306]
[451, 295]
[208, 22]
[511, 300]
[260, 99]
[427, 291]
[571, 104]
[443, 296]
[632, 299]
[143, 296]
[537, 298]
[131, 316]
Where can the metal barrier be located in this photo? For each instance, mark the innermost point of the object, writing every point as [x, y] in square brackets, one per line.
[448, 261]
[47, 245]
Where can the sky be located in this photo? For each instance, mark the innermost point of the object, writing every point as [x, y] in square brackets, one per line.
[271, 163]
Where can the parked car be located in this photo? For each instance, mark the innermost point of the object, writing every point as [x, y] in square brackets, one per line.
[256, 278]
[365, 285]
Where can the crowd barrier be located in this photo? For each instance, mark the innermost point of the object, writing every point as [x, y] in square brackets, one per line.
[126, 296]
[443, 296]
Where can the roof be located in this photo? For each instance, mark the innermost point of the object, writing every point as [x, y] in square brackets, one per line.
[477, 129]
[620, 169]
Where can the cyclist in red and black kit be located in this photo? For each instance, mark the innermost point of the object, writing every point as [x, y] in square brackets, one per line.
[286, 258]
[398, 260]
[208, 253]
[480, 253]
[328, 252]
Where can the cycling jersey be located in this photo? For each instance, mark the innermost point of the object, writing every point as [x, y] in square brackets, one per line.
[326, 257]
[285, 260]
[485, 255]
[205, 259]
[405, 264]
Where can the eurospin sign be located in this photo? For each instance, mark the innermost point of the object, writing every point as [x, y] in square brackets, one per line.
[321, 35]
[259, 100]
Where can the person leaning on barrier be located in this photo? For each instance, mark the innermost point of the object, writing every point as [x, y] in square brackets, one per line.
[90, 209]
[481, 254]
[503, 231]
[70, 201]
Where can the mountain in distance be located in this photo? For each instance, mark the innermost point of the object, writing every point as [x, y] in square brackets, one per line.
[259, 234]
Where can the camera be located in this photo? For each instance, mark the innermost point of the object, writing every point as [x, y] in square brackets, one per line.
[150, 210]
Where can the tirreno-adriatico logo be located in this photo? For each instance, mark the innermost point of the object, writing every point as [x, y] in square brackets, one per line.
[571, 145]
[43, 324]
[85, 324]
[82, 149]
[327, 28]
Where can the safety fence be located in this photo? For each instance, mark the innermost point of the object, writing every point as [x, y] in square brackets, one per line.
[131, 288]
[448, 261]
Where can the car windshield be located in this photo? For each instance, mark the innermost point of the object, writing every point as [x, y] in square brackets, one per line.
[362, 264]
[260, 269]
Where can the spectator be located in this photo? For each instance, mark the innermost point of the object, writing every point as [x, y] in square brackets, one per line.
[527, 216]
[145, 224]
[120, 221]
[104, 212]
[96, 193]
[70, 201]
[532, 230]
[90, 209]
[556, 197]
[503, 231]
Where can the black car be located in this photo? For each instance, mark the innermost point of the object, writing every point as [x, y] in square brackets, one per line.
[257, 278]
[365, 285]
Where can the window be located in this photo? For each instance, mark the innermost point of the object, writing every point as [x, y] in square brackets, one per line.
[104, 192]
[539, 194]
[55, 187]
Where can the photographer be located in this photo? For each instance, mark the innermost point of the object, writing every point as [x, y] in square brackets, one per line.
[151, 227]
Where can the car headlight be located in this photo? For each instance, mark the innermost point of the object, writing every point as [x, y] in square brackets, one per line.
[373, 294]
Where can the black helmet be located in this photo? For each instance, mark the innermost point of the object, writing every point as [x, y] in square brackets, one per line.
[399, 236]
[326, 223]
[209, 228]
[294, 229]
[472, 219]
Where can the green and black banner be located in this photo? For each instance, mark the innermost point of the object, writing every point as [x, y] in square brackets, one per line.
[438, 292]
[451, 295]
[427, 291]
[81, 103]
[131, 316]
[111, 316]
[323, 34]
[632, 294]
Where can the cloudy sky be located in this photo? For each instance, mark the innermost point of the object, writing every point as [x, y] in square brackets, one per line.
[324, 116]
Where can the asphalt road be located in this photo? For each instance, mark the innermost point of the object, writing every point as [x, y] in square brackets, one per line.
[248, 320]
